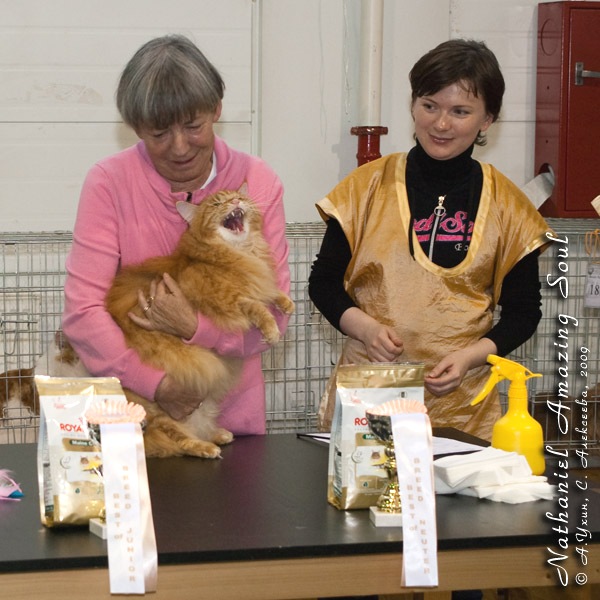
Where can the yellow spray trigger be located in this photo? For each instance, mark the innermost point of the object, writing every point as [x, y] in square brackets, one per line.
[517, 430]
[502, 368]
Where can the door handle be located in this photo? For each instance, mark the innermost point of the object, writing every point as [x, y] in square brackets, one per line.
[580, 73]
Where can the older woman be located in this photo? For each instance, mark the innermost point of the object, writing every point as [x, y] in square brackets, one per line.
[171, 96]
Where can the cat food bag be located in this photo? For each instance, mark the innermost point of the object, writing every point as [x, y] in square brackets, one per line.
[356, 477]
[69, 455]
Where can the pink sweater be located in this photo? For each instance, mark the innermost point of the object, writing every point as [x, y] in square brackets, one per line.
[127, 214]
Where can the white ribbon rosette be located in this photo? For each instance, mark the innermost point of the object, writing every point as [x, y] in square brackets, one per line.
[413, 445]
[132, 555]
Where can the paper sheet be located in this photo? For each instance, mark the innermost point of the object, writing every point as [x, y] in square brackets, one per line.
[447, 446]
[539, 189]
[440, 445]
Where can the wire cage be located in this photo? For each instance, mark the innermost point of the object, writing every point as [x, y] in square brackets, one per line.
[32, 272]
[32, 277]
[297, 369]
[565, 348]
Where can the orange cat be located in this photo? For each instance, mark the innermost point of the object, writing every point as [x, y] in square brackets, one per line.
[225, 269]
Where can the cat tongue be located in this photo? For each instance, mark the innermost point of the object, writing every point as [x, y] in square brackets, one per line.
[234, 220]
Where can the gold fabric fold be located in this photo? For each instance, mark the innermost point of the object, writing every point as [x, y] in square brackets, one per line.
[434, 310]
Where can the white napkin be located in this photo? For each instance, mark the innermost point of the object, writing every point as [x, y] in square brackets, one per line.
[490, 473]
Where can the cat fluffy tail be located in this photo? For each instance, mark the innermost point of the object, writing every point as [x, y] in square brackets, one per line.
[196, 369]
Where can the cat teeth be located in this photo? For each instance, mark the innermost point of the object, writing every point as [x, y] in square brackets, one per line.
[234, 220]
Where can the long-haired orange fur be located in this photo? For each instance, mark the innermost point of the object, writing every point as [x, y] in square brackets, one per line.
[225, 269]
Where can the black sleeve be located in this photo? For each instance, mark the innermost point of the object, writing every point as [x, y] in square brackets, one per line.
[326, 279]
[520, 302]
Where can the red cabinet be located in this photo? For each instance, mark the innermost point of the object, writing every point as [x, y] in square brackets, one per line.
[567, 137]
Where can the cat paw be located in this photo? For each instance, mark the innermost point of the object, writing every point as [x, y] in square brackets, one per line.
[201, 449]
[222, 437]
[285, 304]
[271, 335]
[212, 453]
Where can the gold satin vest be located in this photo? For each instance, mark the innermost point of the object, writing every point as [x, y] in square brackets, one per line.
[435, 310]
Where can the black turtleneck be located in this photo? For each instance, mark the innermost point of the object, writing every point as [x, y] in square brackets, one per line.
[440, 176]
[454, 184]
[460, 180]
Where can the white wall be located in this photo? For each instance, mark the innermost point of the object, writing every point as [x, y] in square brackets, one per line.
[509, 28]
[308, 66]
[59, 66]
[310, 84]
[310, 87]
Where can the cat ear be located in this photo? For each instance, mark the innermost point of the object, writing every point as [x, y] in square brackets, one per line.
[186, 210]
[243, 189]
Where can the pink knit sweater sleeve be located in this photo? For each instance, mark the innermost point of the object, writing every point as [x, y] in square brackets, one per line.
[91, 266]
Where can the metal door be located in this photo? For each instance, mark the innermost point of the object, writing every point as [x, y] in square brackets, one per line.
[582, 151]
[568, 97]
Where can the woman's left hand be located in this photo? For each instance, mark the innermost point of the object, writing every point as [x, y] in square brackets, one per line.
[448, 374]
[166, 309]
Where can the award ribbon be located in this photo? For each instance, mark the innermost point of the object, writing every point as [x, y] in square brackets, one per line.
[414, 462]
[132, 555]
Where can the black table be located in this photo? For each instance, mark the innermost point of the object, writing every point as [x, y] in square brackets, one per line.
[256, 525]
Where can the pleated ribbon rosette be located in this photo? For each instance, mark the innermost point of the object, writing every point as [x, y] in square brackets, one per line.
[413, 445]
[132, 555]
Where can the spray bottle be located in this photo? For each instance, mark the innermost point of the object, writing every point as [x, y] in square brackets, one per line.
[517, 431]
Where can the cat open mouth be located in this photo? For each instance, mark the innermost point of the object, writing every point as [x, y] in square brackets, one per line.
[234, 221]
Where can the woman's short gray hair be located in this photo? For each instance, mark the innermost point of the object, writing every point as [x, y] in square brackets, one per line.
[168, 81]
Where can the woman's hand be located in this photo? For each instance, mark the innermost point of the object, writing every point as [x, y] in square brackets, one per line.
[448, 374]
[166, 309]
[381, 342]
[174, 400]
